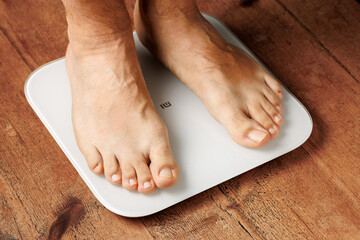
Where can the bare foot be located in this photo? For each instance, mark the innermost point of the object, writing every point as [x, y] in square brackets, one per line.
[115, 123]
[238, 92]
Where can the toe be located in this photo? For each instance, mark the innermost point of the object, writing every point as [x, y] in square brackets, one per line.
[274, 113]
[112, 169]
[246, 131]
[128, 173]
[164, 170]
[274, 85]
[258, 114]
[145, 181]
[94, 160]
[273, 98]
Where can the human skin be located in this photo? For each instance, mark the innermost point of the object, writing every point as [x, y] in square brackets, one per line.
[115, 123]
[236, 90]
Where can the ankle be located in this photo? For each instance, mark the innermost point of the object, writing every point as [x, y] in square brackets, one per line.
[91, 43]
[167, 10]
[96, 23]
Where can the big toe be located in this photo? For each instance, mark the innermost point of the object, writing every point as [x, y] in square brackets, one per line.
[163, 167]
[247, 132]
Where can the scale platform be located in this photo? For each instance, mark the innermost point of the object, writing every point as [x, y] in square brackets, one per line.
[204, 151]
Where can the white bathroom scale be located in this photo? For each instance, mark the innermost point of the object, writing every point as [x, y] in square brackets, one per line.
[203, 149]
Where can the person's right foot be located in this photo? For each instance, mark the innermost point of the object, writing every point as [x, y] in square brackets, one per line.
[116, 126]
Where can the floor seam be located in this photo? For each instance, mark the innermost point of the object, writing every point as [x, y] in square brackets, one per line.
[12, 43]
[219, 206]
[318, 40]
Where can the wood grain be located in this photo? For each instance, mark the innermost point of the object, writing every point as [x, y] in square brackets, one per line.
[310, 193]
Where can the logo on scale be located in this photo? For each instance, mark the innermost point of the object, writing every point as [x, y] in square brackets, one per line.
[165, 105]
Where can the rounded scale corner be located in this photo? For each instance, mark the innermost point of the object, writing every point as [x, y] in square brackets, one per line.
[311, 123]
[139, 213]
[108, 204]
[308, 132]
[117, 211]
[123, 213]
[307, 136]
[31, 76]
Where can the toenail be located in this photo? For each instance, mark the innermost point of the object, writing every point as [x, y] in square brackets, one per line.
[165, 172]
[277, 118]
[115, 177]
[278, 108]
[257, 135]
[132, 182]
[147, 184]
[97, 167]
[272, 131]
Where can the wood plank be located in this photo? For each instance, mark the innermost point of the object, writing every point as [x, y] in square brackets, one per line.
[196, 218]
[39, 35]
[335, 24]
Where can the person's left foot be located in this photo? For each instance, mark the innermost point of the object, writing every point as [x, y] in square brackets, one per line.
[237, 91]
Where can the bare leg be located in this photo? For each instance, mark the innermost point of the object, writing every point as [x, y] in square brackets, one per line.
[115, 123]
[235, 89]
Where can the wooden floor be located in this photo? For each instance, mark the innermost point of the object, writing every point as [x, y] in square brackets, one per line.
[313, 192]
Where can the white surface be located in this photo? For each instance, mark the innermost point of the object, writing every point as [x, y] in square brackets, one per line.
[206, 154]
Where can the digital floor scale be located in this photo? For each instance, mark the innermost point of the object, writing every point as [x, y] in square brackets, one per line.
[204, 151]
